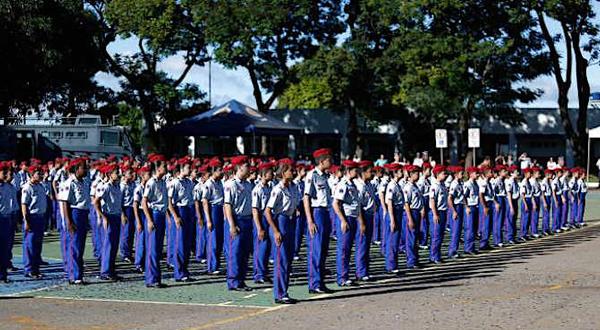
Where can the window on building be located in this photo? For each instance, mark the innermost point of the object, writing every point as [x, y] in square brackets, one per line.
[76, 135]
[55, 135]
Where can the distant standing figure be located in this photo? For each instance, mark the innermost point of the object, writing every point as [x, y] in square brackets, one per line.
[381, 161]
[551, 164]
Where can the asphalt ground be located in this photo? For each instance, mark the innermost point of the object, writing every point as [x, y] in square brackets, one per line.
[549, 283]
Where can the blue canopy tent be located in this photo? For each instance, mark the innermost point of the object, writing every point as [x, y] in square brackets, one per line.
[232, 119]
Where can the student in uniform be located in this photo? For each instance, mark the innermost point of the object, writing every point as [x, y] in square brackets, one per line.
[582, 196]
[280, 209]
[15, 206]
[260, 235]
[181, 207]
[456, 203]
[367, 193]
[6, 216]
[108, 204]
[75, 198]
[212, 202]
[201, 231]
[438, 206]
[546, 201]
[95, 221]
[349, 219]
[564, 212]
[526, 205]
[383, 210]
[128, 226]
[334, 178]
[300, 214]
[316, 206]
[377, 220]
[500, 204]
[573, 196]
[155, 203]
[486, 198]
[472, 196]
[34, 203]
[536, 193]
[394, 202]
[237, 199]
[424, 184]
[513, 193]
[414, 209]
[557, 201]
[140, 220]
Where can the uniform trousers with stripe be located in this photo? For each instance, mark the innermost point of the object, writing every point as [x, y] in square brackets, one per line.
[424, 227]
[564, 212]
[201, 240]
[392, 238]
[96, 234]
[154, 247]
[510, 225]
[344, 243]
[363, 245]
[485, 224]
[556, 213]
[499, 218]
[127, 234]
[239, 248]
[437, 230]
[282, 266]
[32, 243]
[318, 246]
[140, 242]
[581, 207]
[574, 207]
[5, 226]
[110, 245]
[546, 211]
[262, 250]
[300, 230]
[182, 241]
[535, 216]
[525, 217]
[214, 247]
[76, 241]
[470, 227]
[456, 228]
[412, 239]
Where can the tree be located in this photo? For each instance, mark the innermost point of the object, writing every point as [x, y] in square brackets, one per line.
[580, 38]
[48, 56]
[265, 37]
[162, 28]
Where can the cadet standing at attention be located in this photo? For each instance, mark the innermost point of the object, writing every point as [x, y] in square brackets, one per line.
[367, 192]
[128, 226]
[438, 206]
[238, 213]
[472, 210]
[316, 206]
[394, 200]
[34, 203]
[212, 201]
[262, 243]
[6, 194]
[456, 202]
[154, 203]
[140, 220]
[415, 213]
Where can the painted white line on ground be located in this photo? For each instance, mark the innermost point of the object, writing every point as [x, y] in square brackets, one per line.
[225, 304]
[32, 291]
[250, 295]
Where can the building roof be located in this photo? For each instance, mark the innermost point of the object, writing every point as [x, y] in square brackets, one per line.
[543, 121]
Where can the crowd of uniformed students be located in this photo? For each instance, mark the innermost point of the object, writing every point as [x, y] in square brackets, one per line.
[240, 206]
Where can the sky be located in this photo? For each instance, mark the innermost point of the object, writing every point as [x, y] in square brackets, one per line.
[235, 84]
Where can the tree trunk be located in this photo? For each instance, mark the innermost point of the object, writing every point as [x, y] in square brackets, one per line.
[351, 131]
[148, 133]
[583, 94]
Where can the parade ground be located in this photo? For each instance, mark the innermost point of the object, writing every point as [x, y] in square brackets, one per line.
[547, 283]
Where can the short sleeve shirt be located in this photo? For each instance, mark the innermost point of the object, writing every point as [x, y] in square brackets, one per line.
[347, 192]
[35, 197]
[439, 194]
[317, 188]
[238, 193]
[155, 192]
[76, 193]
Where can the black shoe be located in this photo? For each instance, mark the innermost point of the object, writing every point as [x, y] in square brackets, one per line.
[77, 282]
[14, 269]
[320, 291]
[486, 248]
[260, 281]
[286, 301]
[242, 289]
[185, 279]
[328, 272]
[5, 280]
[108, 278]
[127, 260]
[156, 285]
[138, 270]
[44, 263]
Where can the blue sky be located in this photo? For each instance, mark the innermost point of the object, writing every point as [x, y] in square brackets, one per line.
[235, 84]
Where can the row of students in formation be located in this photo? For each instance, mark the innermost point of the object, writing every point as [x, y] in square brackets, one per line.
[207, 209]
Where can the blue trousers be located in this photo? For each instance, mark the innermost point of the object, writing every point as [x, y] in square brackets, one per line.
[262, 250]
[384, 233]
[182, 241]
[412, 239]
[424, 227]
[437, 235]
[77, 243]
[556, 213]
[154, 247]
[127, 234]
[96, 233]
[317, 248]
[300, 230]
[535, 216]
[344, 248]
[333, 218]
[201, 240]
[171, 234]
[214, 247]
[574, 206]
[140, 243]
[377, 222]
[456, 228]
[5, 227]
[546, 214]
[32, 243]
[581, 207]
[363, 245]
[239, 248]
[110, 245]
[486, 224]
[283, 255]
[525, 217]
[510, 224]
[564, 212]
[470, 227]
[63, 234]
[392, 244]
[499, 218]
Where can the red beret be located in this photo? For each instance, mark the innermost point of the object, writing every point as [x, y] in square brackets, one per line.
[365, 163]
[214, 162]
[438, 169]
[239, 160]
[350, 164]
[111, 158]
[334, 168]
[286, 161]
[499, 168]
[183, 161]
[4, 166]
[394, 167]
[574, 170]
[300, 166]
[377, 168]
[156, 158]
[412, 168]
[513, 168]
[202, 169]
[426, 165]
[472, 169]
[75, 163]
[527, 170]
[110, 168]
[252, 169]
[322, 152]
[548, 171]
[228, 168]
[33, 168]
[266, 166]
